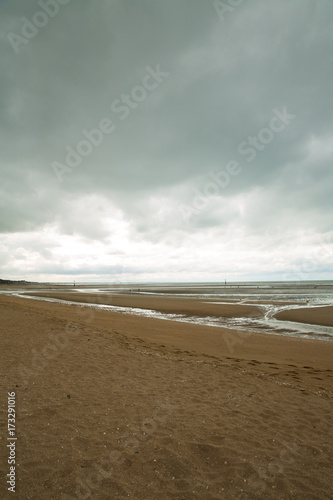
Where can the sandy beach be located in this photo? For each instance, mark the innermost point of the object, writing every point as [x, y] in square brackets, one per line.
[110, 405]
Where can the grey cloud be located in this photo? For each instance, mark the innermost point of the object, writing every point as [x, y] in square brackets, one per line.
[225, 79]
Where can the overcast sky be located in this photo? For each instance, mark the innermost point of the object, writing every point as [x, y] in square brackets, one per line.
[166, 140]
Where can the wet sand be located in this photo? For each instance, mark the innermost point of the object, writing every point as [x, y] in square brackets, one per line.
[313, 316]
[117, 406]
[188, 307]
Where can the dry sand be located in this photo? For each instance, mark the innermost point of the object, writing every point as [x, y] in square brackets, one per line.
[118, 406]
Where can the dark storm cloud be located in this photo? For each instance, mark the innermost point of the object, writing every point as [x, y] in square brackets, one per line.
[222, 81]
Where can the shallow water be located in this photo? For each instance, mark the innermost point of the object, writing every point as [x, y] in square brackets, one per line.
[316, 293]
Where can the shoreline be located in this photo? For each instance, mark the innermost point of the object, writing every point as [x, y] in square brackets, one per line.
[309, 322]
[248, 349]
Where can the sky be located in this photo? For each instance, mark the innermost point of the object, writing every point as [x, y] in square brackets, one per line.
[166, 140]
